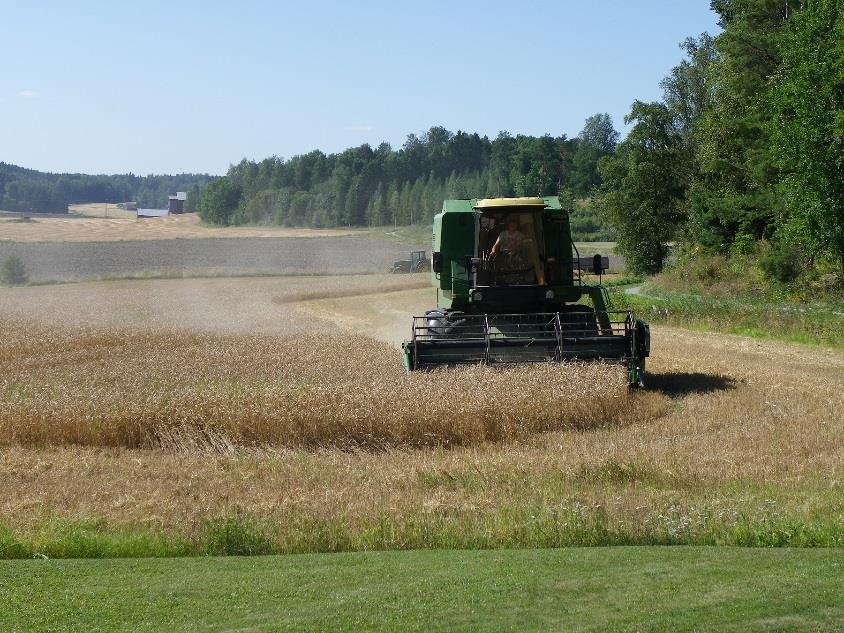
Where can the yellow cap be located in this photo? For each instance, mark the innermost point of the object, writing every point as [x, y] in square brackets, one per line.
[487, 203]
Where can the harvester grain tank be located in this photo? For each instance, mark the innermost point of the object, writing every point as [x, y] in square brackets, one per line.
[509, 287]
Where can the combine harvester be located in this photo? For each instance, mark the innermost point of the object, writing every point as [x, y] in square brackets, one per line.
[508, 278]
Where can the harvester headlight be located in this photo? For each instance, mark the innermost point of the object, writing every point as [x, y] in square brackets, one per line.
[478, 296]
[549, 294]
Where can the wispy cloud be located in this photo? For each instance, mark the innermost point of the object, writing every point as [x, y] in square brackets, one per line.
[27, 94]
[358, 128]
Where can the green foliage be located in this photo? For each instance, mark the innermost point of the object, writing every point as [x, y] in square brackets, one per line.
[807, 130]
[220, 201]
[12, 272]
[744, 244]
[760, 114]
[645, 183]
[688, 90]
[237, 534]
[10, 546]
[734, 193]
[587, 224]
[782, 263]
[597, 139]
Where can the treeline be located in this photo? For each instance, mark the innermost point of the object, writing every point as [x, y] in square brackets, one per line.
[31, 191]
[746, 149]
[381, 186]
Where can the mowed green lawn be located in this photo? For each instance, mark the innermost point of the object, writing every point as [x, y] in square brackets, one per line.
[591, 589]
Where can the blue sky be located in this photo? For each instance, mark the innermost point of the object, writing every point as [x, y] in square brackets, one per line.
[163, 87]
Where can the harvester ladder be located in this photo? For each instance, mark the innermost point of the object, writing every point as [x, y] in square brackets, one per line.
[558, 332]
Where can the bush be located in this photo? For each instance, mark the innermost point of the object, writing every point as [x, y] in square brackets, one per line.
[12, 272]
[782, 263]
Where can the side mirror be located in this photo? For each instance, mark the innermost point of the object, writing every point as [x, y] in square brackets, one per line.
[437, 262]
[598, 265]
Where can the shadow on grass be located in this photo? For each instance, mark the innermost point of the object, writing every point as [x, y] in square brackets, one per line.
[675, 384]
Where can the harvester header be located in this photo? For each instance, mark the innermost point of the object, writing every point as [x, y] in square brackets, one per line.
[509, 289]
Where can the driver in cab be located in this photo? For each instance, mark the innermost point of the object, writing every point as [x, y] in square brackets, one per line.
[510, 239]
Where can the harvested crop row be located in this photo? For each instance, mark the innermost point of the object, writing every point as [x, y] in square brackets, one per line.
[184, 392]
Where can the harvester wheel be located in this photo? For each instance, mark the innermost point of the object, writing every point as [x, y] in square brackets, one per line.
[444, 323]
[421, 266]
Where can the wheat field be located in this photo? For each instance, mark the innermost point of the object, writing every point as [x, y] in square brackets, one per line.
[178, 392]
[327, 444]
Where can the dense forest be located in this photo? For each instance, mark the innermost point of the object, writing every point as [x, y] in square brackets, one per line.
[745, 152]
[380, 186]
[33, 191]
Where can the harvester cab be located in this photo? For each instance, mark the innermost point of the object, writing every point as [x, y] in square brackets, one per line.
[509, 283]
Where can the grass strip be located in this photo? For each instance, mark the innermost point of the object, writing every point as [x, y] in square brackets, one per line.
[593, 589]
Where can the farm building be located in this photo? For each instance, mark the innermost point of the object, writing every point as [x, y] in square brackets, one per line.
[177, 203]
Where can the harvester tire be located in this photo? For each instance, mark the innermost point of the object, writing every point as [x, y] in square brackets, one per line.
[444, 322]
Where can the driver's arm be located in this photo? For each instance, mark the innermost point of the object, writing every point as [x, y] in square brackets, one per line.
[496, 246]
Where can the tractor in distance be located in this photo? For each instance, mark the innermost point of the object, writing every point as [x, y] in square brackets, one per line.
[510, 289]
[417, 263]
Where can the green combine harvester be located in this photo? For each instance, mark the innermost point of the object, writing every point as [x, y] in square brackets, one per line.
[508, 279]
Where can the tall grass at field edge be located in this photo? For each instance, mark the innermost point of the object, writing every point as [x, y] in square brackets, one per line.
[813, 325]
[241, 534]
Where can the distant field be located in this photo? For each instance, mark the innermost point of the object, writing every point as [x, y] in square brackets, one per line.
[587, 249]
[101, 210]
[126, 227]
[593, 589]
[75, 261]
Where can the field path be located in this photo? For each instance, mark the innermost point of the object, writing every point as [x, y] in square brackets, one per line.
[383, 316]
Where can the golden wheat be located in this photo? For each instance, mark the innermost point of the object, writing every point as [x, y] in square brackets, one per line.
[754, 430]
[181, 391]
